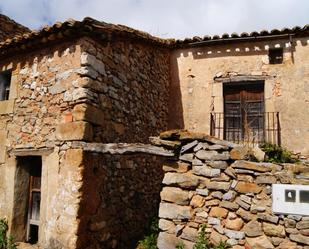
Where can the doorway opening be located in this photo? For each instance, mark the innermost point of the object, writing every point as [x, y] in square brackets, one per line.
[244, 111]
[27, 199]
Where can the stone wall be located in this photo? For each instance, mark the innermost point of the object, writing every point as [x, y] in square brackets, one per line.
[36, 106]
[212, 184]
[120, 197]
[36, 120]
[128, 89]
[198, 75]
[84, 91]
[9, 28]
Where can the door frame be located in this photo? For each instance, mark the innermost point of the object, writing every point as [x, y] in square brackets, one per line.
[241, 87]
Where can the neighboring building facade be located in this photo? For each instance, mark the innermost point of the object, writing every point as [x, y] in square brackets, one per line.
[250, 88]
[78, 83]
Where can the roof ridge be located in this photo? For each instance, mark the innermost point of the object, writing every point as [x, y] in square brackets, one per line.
[106, 30]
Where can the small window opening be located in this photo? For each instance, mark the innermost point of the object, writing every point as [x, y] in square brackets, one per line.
[304, 196]
[5, 83]
[275, 55]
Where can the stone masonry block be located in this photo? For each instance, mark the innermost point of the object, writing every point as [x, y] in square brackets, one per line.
[84, 112]
[74, 131]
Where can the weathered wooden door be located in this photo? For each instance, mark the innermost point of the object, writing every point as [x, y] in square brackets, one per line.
[244, 112]
[34, 201]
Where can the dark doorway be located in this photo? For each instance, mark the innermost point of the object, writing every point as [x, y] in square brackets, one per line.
[244, 111]
[27, 199]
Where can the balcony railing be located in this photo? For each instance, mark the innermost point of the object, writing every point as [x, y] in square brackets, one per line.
[251, 129]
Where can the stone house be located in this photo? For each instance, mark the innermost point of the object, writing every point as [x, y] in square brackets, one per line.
[73, 93]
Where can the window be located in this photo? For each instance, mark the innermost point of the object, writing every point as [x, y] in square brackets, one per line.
[304, 196]
[5, 83]
[275, 55]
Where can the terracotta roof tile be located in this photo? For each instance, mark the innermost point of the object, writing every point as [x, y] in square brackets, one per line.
[108, 31]
[10, 28]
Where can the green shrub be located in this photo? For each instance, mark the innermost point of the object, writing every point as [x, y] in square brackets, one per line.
[180, 245]
[150, 240]
[277, 154]
[204, 243]
[6, 242]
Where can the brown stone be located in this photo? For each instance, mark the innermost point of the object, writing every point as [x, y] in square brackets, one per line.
[170, 241]
[214, 202]
[264, 179]
[304, 224]
[166, 225]
[88, 113]
[175, 195]
[253, 229]
[218, 212]
[170, 134]
[229, 205]
[300, 238]
[173, 211]
[268, 217]
[218, 185]
[235, 224]
[74, 131]
[288, 245]
[291, 230]
[276, 241]
[260, 242]
[273, 230]
[305, 232]
[165, 143]
[289, 223]
[185, 180]
[259, 167]
[179, 167]
[245, 187]
[257, 153]
[197, 201]
[216, 237]
[247, 216]
[239, 153]
[189, 233]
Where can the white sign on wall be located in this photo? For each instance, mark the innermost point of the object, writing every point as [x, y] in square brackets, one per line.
[290, 199]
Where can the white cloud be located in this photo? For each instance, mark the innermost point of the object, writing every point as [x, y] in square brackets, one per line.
[166, 18]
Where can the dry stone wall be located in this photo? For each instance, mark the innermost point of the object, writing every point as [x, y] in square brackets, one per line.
[127, 85]
[212, 184]
[120, 197]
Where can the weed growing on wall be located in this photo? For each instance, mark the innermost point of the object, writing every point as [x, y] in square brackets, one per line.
[150, 240]
[204, 243]
[6, 242]
[277, 154]
[180, 245]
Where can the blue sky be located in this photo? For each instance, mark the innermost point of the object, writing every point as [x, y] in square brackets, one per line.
[166, 18]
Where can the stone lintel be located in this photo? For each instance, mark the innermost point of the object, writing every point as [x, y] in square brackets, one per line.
[123, 148]
[32, 152]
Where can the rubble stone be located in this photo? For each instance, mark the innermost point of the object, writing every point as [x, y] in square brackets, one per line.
[175, 195]
[173, 211]
[253, 229]
[218, 212]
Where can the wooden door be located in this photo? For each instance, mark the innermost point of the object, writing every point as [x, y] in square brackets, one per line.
[244, 112]
[34, 202]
